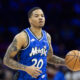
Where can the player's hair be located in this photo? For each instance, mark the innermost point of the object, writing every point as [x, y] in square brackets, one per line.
[31, 10]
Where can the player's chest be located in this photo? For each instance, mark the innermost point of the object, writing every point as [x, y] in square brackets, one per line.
[38, 48]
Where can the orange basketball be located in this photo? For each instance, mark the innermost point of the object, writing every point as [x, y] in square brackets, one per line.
[72, 60]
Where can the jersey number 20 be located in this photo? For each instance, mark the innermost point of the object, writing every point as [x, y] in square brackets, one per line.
[37, 63]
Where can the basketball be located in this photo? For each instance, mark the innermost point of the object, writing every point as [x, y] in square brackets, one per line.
[72, 60]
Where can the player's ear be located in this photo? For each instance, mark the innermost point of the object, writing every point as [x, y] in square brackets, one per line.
[29, 20]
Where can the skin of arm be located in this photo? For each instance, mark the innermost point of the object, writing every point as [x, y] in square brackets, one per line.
[18, 42]
[53, 59]
[13, 50]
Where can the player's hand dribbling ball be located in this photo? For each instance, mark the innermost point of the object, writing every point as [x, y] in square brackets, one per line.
[72, 60]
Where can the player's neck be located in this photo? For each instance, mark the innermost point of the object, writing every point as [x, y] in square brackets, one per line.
[36, 31]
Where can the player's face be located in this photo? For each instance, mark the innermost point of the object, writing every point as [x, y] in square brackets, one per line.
[37, 18]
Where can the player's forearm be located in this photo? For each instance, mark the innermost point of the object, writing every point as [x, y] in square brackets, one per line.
[14, 64]
[57, 60]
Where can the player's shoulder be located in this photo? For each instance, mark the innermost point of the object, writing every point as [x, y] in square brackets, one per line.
[21, 35]
[48, 35]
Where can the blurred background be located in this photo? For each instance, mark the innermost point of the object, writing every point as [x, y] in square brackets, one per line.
[62, 23]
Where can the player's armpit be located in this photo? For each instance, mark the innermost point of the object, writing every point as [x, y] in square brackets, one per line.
[12, 51]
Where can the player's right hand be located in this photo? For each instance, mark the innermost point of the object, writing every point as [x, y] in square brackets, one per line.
[33, 71]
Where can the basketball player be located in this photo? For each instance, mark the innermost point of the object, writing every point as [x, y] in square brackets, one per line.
[34, 45]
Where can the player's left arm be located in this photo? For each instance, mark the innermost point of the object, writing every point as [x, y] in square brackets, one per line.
[53, 59]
